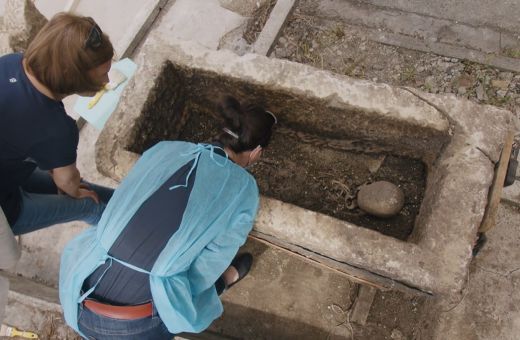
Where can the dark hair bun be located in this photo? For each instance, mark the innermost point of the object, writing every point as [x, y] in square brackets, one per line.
[243, 127]
[231, 111]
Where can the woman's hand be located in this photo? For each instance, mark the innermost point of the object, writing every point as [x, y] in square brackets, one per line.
[83, 193]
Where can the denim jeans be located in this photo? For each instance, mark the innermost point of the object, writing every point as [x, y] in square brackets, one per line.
[43, 207]
[98, 327]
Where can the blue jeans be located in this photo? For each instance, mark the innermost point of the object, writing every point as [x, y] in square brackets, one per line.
[98, 327]
[43, 207]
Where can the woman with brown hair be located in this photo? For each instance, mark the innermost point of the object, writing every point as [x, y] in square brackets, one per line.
[163, 251]
[40, 184]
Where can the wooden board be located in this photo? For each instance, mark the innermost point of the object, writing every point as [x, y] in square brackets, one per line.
[357, 275]
[495, 191]
[205, 335]
[362, 304]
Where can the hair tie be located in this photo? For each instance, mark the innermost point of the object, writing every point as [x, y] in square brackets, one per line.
[228, 131]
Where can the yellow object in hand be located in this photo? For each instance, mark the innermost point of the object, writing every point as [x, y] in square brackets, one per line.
[115, 79]
[96, 98]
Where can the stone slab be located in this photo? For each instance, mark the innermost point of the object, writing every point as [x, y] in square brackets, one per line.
[2, 7]
[499, 255]
[274, 26]
[50, 8]
[4, 291]
[472, 128]
[487, 308]
[495, 61]
[245, 8]
[23, 21]
[204, 21]
[439, 252]
[414, 25]
[138, 28]
[4, 44]
[125, 29]
[503, 14]
[34, 307]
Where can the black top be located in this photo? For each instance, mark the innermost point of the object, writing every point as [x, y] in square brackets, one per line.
[142, 241]
[35, 131]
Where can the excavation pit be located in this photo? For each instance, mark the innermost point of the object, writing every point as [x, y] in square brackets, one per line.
[302, 169]
[443, 146]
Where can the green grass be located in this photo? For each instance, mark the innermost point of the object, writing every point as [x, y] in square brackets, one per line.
[511, 52]
[336, 31]
[409, 74]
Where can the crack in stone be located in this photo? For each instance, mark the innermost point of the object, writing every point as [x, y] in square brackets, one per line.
[485, 154]
[452, 122]
[493, 272]
[517, 269]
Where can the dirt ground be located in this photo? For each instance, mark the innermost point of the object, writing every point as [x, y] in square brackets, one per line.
[313, 303]
[320, 38]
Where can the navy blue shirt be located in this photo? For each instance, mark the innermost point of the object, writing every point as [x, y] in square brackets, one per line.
[35, 131]
[142, 241]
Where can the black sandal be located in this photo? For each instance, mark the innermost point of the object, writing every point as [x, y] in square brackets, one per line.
[242, 264]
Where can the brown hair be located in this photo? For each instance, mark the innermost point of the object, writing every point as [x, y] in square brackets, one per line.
[252, 124]
[60, 58]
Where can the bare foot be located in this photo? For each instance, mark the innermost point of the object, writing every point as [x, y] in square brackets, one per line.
[231, 275]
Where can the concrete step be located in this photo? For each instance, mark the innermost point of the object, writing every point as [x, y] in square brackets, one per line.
[35, 307]
[126, 29]
[424, 33]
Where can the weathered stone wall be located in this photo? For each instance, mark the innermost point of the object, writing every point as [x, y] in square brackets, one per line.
[4, 44]
[163, 113]
[22, 22]
[329, 118]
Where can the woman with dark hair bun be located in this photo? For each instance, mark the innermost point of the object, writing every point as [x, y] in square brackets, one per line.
[163, 251]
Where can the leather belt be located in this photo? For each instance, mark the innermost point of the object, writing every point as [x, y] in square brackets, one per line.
[120, 312]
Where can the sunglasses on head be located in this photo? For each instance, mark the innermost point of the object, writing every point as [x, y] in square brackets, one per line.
[95, 37]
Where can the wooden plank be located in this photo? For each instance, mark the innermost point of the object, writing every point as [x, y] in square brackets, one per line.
[350, 277]
[205, 335]
[355, 274]
[495, 191]
[274, 26]
[363, 303]
[510, 202]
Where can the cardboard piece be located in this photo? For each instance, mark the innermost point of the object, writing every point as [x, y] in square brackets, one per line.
[99, 113]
